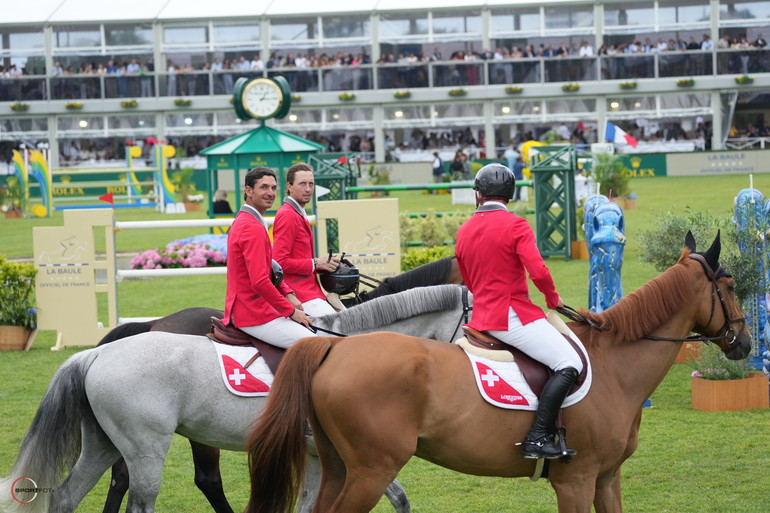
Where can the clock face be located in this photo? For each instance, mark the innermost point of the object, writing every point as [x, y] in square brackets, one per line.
[262, 98]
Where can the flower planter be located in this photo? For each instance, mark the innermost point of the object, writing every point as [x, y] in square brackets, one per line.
[688, 351]
[191, 206]
[15, 338]
[730, 394]
[13, 214]
[579, 250]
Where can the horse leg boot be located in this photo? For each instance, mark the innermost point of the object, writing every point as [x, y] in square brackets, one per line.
[540, 441]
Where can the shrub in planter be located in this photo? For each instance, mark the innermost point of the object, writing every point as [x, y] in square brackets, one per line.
[628, 85]
[347, 97]
[129, 104]
[457, 92]
[17, 286]
[182, 102]
[570, 88]
[19, 107]
[745, 79]
[685, 82]
[400, 95]
[513, 90]
[73, 106]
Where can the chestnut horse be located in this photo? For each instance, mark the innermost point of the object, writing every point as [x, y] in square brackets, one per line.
[376, 400]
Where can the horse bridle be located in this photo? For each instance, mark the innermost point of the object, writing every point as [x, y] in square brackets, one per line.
[716, 292]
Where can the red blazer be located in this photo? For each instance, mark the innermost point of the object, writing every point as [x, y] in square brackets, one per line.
[495, 249]
[293, 249]
[251, 298]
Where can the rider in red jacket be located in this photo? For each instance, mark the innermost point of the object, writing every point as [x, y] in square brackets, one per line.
[495, 251]
[293, 243]
[253, 304]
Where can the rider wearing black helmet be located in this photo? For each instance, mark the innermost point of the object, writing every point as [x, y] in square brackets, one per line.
[495, 251]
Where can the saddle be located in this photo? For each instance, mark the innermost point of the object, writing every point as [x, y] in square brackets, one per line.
[232, 336]
[534, 372]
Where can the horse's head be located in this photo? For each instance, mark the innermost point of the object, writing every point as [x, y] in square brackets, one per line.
[720, 317]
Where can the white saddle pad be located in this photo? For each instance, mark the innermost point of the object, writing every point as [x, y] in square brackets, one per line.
[502, 384]
[251, 382]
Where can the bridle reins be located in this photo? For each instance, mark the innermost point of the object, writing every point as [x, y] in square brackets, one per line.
[716, 292]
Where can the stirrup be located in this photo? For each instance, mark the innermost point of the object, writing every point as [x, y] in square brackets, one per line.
[547, 448]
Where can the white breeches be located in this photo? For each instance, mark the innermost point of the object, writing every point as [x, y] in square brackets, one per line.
[281, 332]
[317, 307]
[540, 340]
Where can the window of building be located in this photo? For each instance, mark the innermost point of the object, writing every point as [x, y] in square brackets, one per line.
[12, 38]
[185, 35]
[685, 101]
[676, 12]
[300, 117]
[140, 122]
[189, 120]
[397, 25]
[570, 106]
[290, 31]
[629, 14]
[77, 36]
[348, 115]
[80, 123]
[631, 103]
[336, 27]
[224, 34]
[569, 17]
[744, 10]
[518, 108]
[445, 23]
[8, 125]
[506, 21]
[128, 35]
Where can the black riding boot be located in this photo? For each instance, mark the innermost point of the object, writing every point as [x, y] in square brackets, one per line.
[540, 440]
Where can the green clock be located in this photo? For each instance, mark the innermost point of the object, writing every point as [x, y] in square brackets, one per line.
[261, 98]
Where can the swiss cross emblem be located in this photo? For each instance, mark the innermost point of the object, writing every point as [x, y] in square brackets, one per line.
[240, 379]
[497, 389]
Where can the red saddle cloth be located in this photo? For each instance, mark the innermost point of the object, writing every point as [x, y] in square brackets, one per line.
[534, 372]
[230, 335]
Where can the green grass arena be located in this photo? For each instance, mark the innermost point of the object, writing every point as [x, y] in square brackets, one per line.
[687, 460]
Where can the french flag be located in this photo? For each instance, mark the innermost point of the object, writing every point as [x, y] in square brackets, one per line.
[616, 135]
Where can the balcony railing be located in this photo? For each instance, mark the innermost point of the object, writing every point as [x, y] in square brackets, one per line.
[395, 76]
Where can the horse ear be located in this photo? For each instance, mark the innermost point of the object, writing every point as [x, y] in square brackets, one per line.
[689, 241]
[712, 255]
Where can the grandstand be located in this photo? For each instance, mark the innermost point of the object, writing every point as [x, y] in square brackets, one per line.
[449, 74]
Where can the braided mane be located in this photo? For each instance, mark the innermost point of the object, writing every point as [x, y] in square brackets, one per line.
[645, 309]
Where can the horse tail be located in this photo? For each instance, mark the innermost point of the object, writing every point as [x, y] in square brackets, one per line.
[126, 330]
[276, 446]
[52, 443]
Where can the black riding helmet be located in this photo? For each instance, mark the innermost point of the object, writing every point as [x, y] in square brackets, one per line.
[495, 180]
[276, 273]
[343, 280]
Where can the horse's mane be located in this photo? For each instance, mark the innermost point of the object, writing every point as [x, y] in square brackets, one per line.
[386, 310]
[639, 313]
[425, 275]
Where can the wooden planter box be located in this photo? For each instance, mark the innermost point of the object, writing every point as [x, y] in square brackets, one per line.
[16, 338]
[731, 394]
[191, 206]
[579, 250]
[688, 351]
